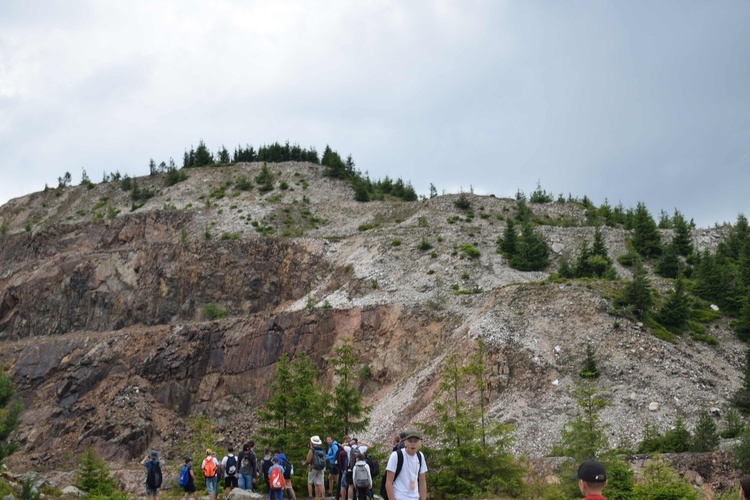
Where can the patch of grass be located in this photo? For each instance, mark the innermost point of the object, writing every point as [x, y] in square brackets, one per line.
[218, 193]
[706, 315]
[431, 271]
[213, 311]
[660, 332]
[230, 236]
[374, 284]
[433, 255]
[464, 275]
[703, 337]
[422, 222]
[283, 185]
[396, 242]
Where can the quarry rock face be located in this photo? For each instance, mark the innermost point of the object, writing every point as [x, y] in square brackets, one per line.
[103, 324]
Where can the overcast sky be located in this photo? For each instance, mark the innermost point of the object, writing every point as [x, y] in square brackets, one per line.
[626, 100]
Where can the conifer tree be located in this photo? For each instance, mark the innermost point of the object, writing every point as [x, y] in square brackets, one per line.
[741, 325]
[532, 252]
[276, 417]
[678, 438]
[223, 155]
[598, 247]
[464, 465]
[93, 476]
[669, 263]
[705, 437]
[203, 156]
[646, 239]
[585, 437]
[683, 235]
[739, 236]
[590, 370]
[563, 269]
[637, 294]
[152, 167]
[676, 309]
[510, 239]
[347, 408]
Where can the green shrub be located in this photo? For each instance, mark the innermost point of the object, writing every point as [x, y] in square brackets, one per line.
[396, 242]
[365, 227]
[212, 311]
[174, 176]
[661, 482]
[424, 245]
[470, 251]
[462, 202]
[243, 184]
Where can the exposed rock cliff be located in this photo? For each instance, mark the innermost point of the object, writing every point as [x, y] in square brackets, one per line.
[101, 328]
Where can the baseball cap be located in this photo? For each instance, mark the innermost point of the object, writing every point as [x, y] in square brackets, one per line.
[592, 471]
[154, 455]
[413, 434]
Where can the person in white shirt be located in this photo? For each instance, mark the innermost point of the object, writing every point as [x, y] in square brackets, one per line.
[409, 482]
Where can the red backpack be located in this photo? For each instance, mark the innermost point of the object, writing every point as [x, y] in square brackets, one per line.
[276, 478]
[209, 468]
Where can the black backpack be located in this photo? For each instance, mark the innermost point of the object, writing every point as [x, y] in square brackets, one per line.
[153, 480]
[352, 458]
[232, 466]
[374, 466]
[399, 466]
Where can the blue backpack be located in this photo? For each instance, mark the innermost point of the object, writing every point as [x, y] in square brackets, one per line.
[185, 476]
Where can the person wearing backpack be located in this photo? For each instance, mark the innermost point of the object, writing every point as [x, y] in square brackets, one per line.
[341, 461]
[276, 481]
[231, 467]
[333, 474]
[355, 448]
[362, 477]
[187, 480]
[210, 468]
[265, 465]
[153, 474]
[405, 472]
[250, 472]
[316, 462]
[288, 472]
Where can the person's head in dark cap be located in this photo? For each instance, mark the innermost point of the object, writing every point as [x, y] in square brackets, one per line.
[412, 442]
[154, 455]
[188, 460]
[592, 478]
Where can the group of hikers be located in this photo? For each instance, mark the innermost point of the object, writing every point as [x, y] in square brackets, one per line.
[350, 471]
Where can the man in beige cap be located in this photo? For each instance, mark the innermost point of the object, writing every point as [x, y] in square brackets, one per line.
[316, 463]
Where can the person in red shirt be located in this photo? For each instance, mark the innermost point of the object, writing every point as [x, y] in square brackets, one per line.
[592, 478]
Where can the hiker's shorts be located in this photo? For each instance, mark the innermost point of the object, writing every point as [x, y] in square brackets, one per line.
[315, 476]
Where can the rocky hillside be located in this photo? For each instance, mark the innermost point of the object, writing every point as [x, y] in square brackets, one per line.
[101, 323]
